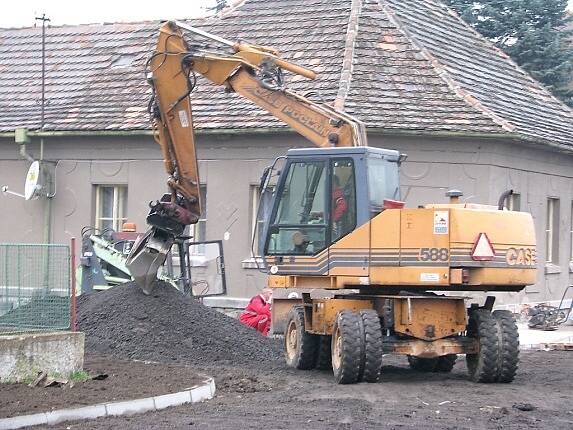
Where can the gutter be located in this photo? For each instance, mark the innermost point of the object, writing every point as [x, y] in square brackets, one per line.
[128, 133]
[242, 131]
[287, 130]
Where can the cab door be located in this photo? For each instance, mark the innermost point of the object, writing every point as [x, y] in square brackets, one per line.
[298, 233]
[348, 253]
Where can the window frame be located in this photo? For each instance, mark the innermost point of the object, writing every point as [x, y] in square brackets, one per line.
[571, 235]
[552, 231]
[514, 202]
[255, 202]
[278, 198]
[201, 225]
[120, 197]
[330, 192]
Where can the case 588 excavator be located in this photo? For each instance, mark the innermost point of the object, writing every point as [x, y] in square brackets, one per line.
[335, 222]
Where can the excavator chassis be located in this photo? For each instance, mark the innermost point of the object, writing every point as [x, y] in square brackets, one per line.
[351, 333]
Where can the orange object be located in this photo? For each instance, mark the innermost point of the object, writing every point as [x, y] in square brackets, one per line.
[128, 226]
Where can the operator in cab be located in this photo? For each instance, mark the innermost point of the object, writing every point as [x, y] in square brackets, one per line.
[257, 314]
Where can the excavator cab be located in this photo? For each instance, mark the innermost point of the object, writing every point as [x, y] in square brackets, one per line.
[323, 194]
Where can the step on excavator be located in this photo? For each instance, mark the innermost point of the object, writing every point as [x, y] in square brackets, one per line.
[333, 221]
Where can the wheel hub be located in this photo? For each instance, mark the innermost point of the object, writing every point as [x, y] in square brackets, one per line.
[291, 340]
[337, 350]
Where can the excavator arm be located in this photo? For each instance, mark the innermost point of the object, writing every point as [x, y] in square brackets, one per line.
[252, 71]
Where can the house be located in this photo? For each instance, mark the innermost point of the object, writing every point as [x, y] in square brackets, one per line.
[422, 80]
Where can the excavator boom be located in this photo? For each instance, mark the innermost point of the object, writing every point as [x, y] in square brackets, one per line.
[252, 71]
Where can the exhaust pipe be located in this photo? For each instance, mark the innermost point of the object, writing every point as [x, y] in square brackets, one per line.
[503, 198]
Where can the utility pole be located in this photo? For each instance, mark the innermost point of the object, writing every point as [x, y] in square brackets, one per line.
[48, 208]
[43, 99]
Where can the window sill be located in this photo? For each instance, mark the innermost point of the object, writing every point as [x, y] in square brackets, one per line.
[552, 269]
[251, 263]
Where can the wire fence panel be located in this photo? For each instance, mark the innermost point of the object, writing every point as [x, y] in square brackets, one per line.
[34, 288]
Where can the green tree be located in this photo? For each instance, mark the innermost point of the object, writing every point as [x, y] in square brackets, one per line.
[531, 32]
[219, 6]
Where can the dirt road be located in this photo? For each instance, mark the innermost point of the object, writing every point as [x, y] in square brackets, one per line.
[280, 398]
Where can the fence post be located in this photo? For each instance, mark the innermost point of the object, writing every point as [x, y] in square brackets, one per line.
[73, 278]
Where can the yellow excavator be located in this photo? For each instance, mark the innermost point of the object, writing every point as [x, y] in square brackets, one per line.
[335, 222]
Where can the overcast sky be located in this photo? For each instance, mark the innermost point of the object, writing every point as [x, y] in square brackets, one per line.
[21, 13]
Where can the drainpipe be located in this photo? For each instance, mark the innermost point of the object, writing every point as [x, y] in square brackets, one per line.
[48, 207]
[49, 196]
[21, 137]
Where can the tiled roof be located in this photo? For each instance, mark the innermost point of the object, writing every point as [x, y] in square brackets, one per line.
[398, 65]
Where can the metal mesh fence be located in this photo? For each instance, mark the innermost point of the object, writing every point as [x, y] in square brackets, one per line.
[34, 288]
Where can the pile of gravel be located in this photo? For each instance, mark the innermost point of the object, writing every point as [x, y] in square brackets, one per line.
[169, 327]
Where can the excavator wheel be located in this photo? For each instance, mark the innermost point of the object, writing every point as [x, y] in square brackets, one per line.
[443, 364]
[372, 357]
[508, 354]
[484, 365]
[324, 353]
[347, 347]
[300, 346]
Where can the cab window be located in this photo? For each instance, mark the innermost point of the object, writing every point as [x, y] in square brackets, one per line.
[299, 225]
[343, 199]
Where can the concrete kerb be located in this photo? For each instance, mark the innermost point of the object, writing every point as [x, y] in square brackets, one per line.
[531, 339]
[195, 394]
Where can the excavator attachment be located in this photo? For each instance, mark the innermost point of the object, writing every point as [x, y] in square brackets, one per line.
[147, 256]
[252, 71]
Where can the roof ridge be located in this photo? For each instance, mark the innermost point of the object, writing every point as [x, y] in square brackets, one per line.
[444, 74]
[348, 57]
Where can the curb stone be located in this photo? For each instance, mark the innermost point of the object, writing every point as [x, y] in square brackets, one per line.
[195, 394]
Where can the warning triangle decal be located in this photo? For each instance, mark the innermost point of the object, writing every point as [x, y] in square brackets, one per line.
[482, 249]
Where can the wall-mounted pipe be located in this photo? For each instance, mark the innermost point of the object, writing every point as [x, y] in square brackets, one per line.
[503, 198]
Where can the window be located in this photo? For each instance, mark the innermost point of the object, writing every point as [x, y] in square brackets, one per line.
[571, 235]
[111, 206]
[299, 226]
[552, 231]
[383, 182]
[514, 202]
[199, 230]
[258, 216]
[343, 206]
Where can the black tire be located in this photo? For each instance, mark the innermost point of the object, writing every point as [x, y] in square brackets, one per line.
[324, 353]
[300, 346]
[508, 353]
[347, 347]
[483, 366]
[443, 364]
[371, 365]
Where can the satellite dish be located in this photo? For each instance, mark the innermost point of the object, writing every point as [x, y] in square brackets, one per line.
[32, 186]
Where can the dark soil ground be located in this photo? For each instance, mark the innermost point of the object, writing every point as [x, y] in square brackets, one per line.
[280, 398]
[125, 380]
[255, 389]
